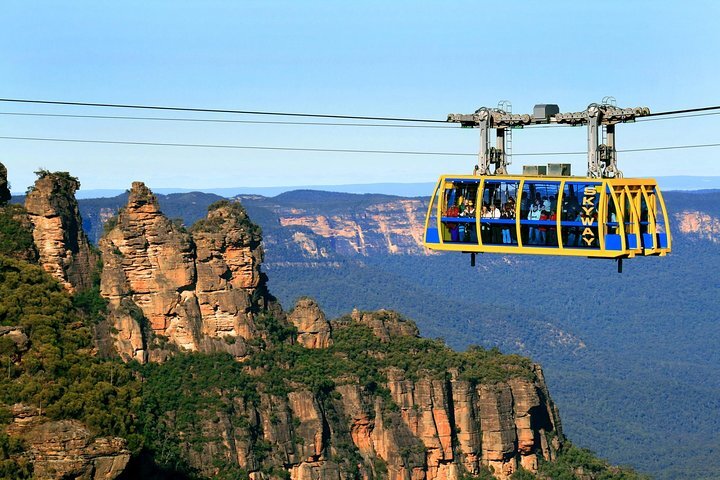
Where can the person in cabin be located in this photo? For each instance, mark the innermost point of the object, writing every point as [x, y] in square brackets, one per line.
[511, 216]
[452, 227]
[542, 229]
[533, 214]
[484, 226]
[496, 230]
[470, 232]
[546, 204]
[506, 215]
[575, 233]
[469, 210]
[552, 230]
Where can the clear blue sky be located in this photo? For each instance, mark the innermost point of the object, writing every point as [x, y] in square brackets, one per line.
[381, 58]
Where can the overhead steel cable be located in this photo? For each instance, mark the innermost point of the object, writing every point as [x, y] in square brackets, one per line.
[643, 119]
[219, 120]
[217, 110]
[287, 114]
[329, 150]
[687, 110]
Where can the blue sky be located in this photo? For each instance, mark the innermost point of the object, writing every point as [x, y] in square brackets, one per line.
[415, 59]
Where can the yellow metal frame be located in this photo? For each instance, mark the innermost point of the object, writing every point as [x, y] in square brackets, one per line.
[624, 193]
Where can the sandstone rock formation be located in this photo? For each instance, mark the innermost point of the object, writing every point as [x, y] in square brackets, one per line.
[57, 229]
[386, 324]
[700, 224]
[314, 329]
[427, 427]
[17, 336]
[66, 449]
[4, 187]
[196, 291]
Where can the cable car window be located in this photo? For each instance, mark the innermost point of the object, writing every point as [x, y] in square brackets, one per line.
[538, 213]
[579, 221]
[459, 212]
[497, 225]
[431, 225]
[611, 218]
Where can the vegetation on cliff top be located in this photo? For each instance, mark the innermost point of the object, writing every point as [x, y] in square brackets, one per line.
[16, 239]
[59, 373]
[233, 212]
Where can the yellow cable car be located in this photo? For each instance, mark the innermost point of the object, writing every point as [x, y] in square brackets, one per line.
[594, 216]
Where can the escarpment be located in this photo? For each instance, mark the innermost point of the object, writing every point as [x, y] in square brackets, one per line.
[62, 245]
[169, 288]
[367, 406]
[63, 449]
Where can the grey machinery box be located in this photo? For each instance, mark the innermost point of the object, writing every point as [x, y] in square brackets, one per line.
[534, 170]
[558, 169]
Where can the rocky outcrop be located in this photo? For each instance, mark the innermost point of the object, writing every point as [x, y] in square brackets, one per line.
[66, 449]
[387, 227]
[63, 248]
[386, 324]
[699, 224]
[169, 288]
[17, 336]
[4, 186]
[430, 429]
[425, 426]
[314, 329]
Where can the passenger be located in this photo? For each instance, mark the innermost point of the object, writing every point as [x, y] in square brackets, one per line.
[511, 216]
[575, 232]
[552, 231]
[546, 205]
[470, 232]
[506, 214]
[542, 229]
[613, 229]
[484, 226]
[553, 203]
[533, 214]
[453, 226]
[495, 227]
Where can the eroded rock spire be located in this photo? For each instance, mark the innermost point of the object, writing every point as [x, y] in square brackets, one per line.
[57, 230]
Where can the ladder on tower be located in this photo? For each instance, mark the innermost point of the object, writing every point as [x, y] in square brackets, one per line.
[506, 106]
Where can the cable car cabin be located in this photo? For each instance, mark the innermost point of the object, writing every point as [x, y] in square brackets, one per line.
[568, 216]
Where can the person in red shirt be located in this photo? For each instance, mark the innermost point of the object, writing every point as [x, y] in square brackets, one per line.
[552, 231]
[543, 229]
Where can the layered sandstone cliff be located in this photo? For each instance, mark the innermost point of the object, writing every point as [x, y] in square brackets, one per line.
[66, 449]
[57, 230]
[427, 426]
[699, 224]
[169, 288]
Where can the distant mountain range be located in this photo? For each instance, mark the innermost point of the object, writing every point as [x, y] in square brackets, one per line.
[678, 182]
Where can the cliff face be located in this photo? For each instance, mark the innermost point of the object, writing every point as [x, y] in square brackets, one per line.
[392, 227]
[699, 224]
[194, 291]
[425, 427]
[65, 449]
[57, 230]
[4, 187]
